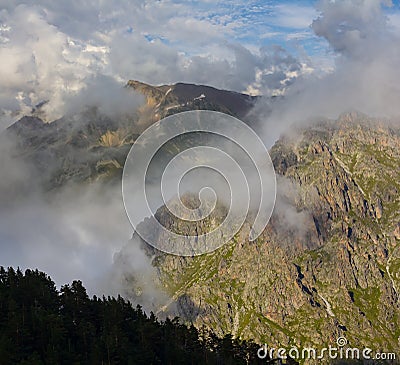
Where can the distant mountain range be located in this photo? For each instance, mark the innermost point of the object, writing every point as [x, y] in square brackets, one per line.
[331, 270]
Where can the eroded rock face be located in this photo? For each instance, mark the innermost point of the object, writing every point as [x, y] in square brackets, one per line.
[330, 269]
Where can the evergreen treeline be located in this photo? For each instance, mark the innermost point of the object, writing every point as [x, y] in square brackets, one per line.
[42, 325]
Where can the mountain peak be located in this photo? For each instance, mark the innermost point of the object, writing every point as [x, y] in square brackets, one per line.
[165, 100]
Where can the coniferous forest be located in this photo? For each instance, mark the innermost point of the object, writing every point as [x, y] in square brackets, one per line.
[40, 324]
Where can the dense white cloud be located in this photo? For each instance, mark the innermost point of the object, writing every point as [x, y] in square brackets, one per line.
[366, 77]
[73, 236]
[353, 27]
[39, 62]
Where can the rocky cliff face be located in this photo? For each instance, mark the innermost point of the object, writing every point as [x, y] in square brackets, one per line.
[333, 271]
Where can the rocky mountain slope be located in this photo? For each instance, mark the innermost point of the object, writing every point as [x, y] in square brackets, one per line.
[165, 100]
[333, 271]
[328, 263]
